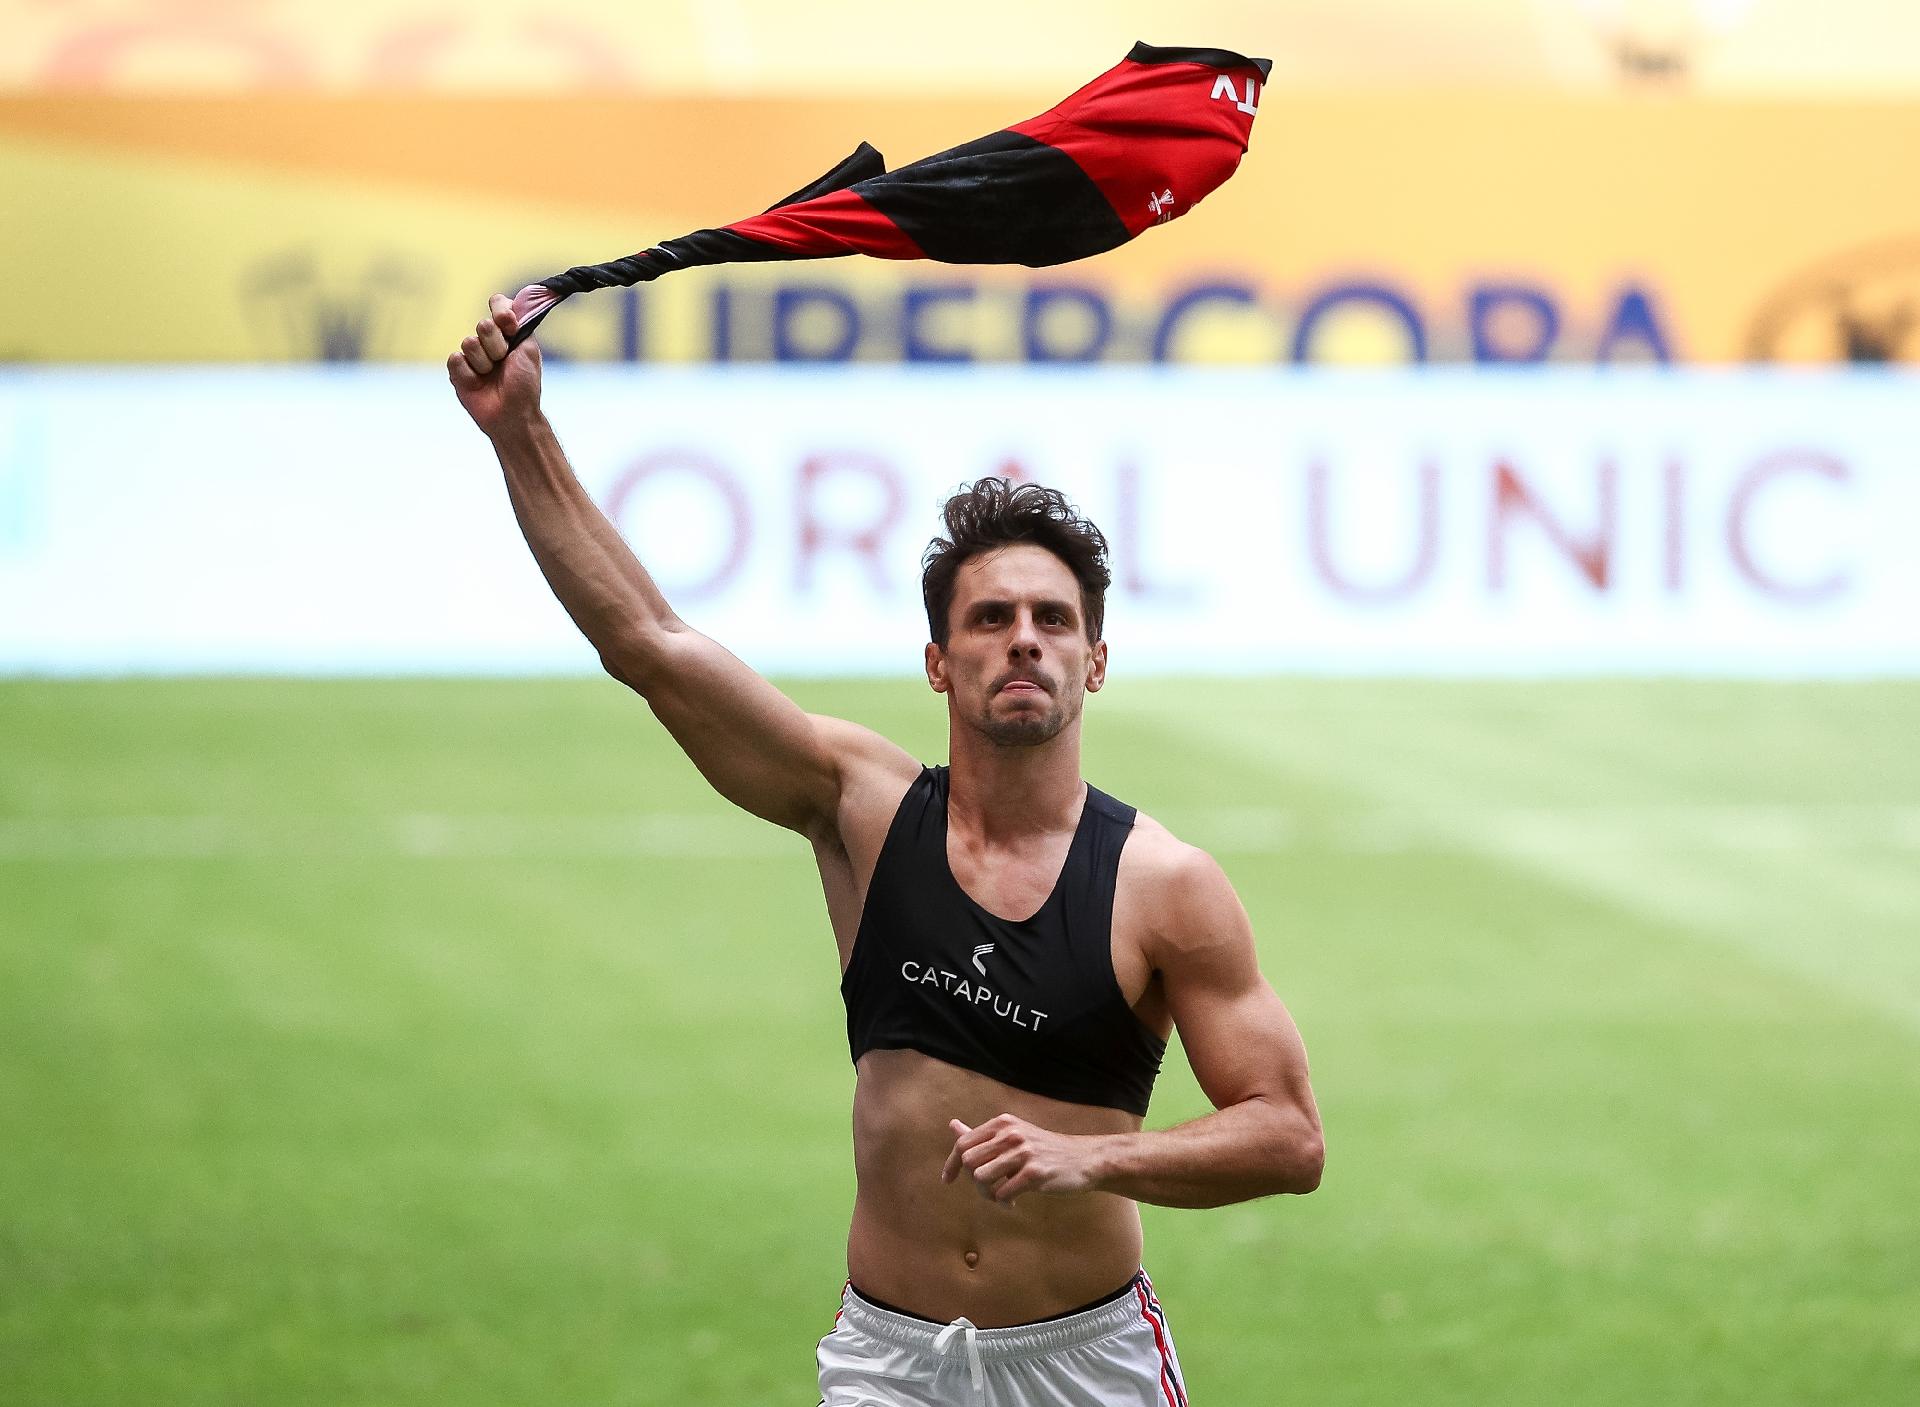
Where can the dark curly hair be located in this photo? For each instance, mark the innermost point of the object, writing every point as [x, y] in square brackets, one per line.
[992, 513]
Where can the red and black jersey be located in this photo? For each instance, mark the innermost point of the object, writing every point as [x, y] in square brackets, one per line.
[1142, 144]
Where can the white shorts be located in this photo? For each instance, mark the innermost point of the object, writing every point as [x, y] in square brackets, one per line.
[1119, 1353]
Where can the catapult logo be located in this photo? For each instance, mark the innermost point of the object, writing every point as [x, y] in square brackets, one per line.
[1861, 306]
[301, 313]
[976, 994]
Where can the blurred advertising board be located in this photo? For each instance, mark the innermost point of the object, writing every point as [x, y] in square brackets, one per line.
[868, 45]
[1546, 522]
[1365, 228]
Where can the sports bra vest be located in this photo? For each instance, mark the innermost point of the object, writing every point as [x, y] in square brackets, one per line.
[1034, 1003]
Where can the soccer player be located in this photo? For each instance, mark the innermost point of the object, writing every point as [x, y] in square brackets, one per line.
[1016, 947]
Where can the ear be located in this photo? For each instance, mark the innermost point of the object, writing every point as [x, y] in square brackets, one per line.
[936, 662]
[1097, 667]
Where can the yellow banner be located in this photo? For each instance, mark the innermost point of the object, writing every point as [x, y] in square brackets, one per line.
[1370, 229]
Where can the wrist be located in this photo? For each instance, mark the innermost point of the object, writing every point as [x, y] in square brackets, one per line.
[519, 429]
[1107, 1159]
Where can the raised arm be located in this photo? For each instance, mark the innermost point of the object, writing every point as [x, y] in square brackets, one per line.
[755, 745]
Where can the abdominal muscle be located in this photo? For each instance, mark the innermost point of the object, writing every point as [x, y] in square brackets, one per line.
[943, 1250]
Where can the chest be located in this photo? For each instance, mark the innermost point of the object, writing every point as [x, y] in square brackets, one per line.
[1011, 883]
[1009, 889]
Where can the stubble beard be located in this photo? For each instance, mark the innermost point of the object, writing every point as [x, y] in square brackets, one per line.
[1024, 729]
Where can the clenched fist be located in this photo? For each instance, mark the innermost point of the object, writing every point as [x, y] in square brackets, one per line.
[498, 388]
[1007, 1156]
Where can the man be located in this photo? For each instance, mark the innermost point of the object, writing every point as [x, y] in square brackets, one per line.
[1016, 947]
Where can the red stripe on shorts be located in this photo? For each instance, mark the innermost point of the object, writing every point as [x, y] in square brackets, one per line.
[1166, 1359]
[1160, 1315]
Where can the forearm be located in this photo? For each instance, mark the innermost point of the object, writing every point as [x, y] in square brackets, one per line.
[590, 568]
[1253, 1149]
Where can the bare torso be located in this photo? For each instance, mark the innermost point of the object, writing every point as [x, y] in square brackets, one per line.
[942, 1250]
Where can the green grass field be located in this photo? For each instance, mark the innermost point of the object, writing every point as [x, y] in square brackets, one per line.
[447, 1043]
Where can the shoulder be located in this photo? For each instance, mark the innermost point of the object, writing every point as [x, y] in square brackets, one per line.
[858, 749]
[874, 772]
[1159, 857]
[1181, 891]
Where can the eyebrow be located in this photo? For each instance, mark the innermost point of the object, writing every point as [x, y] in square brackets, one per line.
[1000, 603]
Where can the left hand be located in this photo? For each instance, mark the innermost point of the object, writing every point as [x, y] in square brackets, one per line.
[1007, 1156]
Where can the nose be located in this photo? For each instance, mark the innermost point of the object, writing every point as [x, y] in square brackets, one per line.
[1025, 643]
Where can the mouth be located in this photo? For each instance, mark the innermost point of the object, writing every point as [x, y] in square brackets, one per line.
[1020, 687]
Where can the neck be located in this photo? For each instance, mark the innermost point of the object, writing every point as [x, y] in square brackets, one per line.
[1013, 790]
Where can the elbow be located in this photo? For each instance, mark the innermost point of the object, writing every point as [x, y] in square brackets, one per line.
[1298, 1156]
[1308, 1162]
[619, 666]
[633, 656]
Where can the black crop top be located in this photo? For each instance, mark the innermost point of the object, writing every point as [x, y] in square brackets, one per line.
[1032, 1004]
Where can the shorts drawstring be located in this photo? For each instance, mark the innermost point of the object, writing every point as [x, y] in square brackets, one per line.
[943, 1341]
